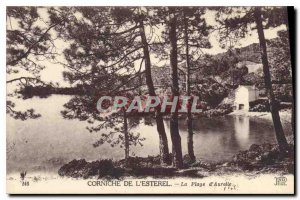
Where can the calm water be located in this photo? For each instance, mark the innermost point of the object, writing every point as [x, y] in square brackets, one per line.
[46, 143]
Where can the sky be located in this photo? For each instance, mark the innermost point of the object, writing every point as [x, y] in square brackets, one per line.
[53, 72]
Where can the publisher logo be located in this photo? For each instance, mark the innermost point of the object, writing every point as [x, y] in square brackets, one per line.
[281, 180]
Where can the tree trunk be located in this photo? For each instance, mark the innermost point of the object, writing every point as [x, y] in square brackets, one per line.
[290, 14]
[175, 136]
[283, 145]
[163, 141]
[126, 136]
[190, 141]
[141, 83]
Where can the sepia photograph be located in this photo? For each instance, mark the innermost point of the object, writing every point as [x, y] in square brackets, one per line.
[150, 100]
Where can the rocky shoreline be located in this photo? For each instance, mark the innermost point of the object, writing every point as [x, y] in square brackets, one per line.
[258, 159]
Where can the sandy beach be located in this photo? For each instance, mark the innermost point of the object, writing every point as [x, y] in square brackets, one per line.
[285, 115]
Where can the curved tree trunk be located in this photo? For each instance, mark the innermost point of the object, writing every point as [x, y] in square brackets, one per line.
[175, 136]
[283, 145]
[163, 141]
[290, 14]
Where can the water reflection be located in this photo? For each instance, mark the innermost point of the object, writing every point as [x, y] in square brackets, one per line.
[47, 142]
[242, 130]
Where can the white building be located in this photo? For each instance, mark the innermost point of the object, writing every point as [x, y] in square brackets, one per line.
[243, 95]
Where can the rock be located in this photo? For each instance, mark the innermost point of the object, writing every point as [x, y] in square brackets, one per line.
[81, 168]
[267, 147]
[190, 173]
[99, 167]
[73, 168]
[252, 155]
[265, 157]
[204, 165]
[255, 148]
[187, 160]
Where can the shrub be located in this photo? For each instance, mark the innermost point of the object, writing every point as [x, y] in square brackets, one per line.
[259, 105]
[262, 105]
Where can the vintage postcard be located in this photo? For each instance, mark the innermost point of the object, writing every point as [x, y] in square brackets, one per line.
[150, 100]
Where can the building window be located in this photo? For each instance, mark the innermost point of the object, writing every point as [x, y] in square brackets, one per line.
[241, 106]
